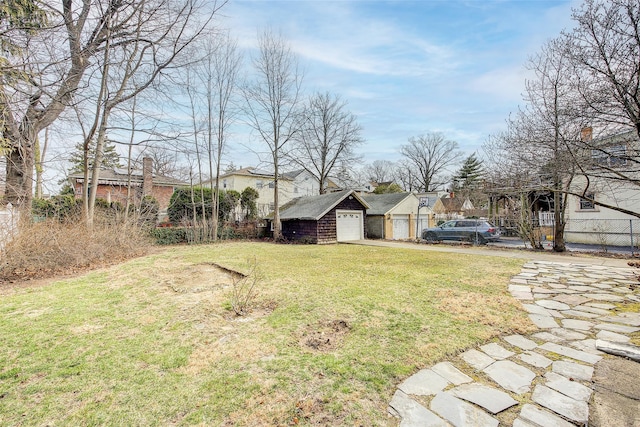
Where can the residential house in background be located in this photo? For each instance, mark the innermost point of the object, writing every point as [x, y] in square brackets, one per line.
[450, 207]
[326, 218]
[113, 184]
[590, 223]
[395, 216]
[263, 182]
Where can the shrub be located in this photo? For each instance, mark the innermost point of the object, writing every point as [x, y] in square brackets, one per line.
[51, 247]
[169, 235]
[244, 292]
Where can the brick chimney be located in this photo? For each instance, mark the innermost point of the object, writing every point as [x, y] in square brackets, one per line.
[586, 134]
[147, 176]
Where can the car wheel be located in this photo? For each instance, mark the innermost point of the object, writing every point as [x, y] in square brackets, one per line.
[431, 237]
[478, 239]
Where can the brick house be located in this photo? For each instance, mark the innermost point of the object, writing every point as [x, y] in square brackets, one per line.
[112, 186]
[327, 218]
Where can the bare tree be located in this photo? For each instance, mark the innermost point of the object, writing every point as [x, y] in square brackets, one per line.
[220, 75]
[604, 48]
[542, 136]
[144, 36]
[429, 157]
[380, 170]
[328, 135]
[271, 103]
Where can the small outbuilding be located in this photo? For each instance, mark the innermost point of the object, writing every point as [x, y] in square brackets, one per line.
[327, 218]
[395, 216]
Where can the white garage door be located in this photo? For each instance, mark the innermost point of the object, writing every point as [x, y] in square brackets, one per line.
[401, 226]
[349, 225]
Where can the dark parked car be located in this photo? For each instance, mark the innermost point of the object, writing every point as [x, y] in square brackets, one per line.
[470, 230]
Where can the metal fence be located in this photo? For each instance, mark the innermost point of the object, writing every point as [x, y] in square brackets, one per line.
[604, 232]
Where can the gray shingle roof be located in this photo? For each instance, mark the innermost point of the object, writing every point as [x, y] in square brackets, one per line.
[315, 207]
[380, 204]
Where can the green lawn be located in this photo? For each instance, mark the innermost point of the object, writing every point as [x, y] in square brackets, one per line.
[334, 330]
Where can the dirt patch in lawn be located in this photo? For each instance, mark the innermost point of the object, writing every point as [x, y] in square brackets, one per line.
[203, 277]
[325, 336]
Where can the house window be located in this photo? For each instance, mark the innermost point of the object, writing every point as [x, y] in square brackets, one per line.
[615, 155]
[272, 184]
[587, 204]
[259, 184]
[224, 183]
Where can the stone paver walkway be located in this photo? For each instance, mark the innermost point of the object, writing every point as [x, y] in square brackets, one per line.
[545, 379]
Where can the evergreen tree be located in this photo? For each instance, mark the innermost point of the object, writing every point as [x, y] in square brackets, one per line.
[110, 159]
[470, 175]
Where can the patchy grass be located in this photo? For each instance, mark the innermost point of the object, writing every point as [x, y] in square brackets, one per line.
[333, 331]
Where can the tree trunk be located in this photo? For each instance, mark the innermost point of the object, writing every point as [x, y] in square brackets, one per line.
[558, 233]
[19, 171]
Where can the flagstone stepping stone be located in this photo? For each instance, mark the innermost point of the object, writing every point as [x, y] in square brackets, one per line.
[520, 342]
[591, 310]
[519, 288]
[423, 383]
[543, 322]
[535, 359]
[588, 345]
[617, 328]
[572, 370]
[536, 309]
[541, 417]
[622, 319]
[554, 305]
[570, 352]
[567, 334]
[583, 288]
[477, 359]
[575, 410]
[605, 297]
[449, 372]
[460, 413]
[523, 296]
[546, 336]
[491, 399]
[413, 413]
[510, 376]
[539, 290]
[601, 305]
[622, 290]
[569, 388]
[612, 336]
[603, 285]
[581, 325]
[578, 313]
[557, 285]
[496, 351]
[571, 299]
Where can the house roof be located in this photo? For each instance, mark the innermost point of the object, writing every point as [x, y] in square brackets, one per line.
[256, 173]
[315, 207]
[452, 204]
[121, 177]
[381, 204]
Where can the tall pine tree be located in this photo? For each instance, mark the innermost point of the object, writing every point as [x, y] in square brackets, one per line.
[110, 159]
[468, 181]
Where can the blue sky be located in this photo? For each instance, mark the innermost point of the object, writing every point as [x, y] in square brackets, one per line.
[410, 67]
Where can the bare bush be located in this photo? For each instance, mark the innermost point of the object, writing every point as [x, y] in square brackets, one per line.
[51, 247]
[244, 291]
